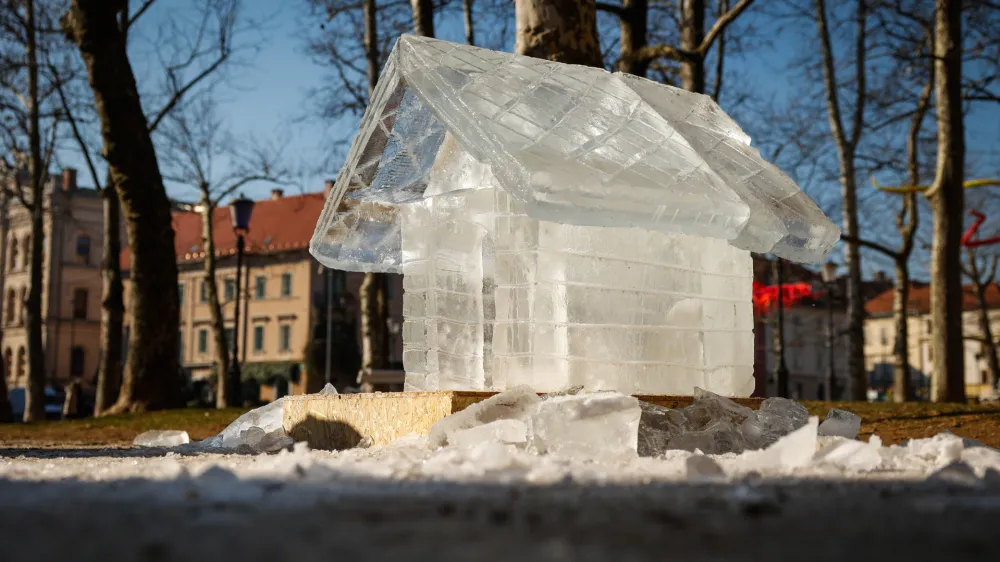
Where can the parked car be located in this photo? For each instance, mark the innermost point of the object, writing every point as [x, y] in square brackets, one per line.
[53, 403]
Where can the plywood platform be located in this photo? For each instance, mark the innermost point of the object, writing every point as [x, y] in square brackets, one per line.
[342, 421]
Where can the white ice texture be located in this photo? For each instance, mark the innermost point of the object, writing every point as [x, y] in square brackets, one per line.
[560, 225]
[260, 430]
[840, 423]
[161, 438]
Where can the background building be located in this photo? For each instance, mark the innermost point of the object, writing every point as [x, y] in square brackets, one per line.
[283, 323]
[880, 337]
[71, 289]
[807, 340]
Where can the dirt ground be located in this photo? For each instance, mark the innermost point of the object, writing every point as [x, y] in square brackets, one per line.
[894, 423]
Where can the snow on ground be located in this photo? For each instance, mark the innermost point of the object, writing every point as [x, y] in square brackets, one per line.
[412, 459]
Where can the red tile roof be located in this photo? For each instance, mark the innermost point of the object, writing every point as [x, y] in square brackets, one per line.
[277, 225]
[920, 299]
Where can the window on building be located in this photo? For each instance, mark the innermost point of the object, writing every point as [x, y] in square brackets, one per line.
[230, 289]
[820, 392]
[180, 294]
[285, 338]
[202, 341]
[260, 287]
[885, 337]
[80, 304]
[83, 249]
[8, 357]
[798, 391]
[230, 334]
[22, 361]
[203, 292]
[26, 251]
[11, 310]
[20, 305]
[258, 339]
[286, 284]
[12, 263]
[76, 361]
[929, 326]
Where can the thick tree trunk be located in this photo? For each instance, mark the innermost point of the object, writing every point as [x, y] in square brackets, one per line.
[371, 43]
[855, 298]
[901, 358]
[5, 409]
[634, 36]
[112, 306]
[369, 323]
[423, 17]
[947, 204]
[34, 409]
[558, 30]
[470, 28]
[692, 35]
[152, 377]
[223, 348]
[370, 335]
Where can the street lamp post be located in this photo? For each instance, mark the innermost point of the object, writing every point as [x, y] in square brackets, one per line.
[829, 274]
[240, 210]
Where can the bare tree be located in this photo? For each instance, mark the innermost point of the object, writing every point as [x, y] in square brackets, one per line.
[947, 204]
[692, 49]
[200, 50]
[152, 378]
[558, 30]
[5, 366]
[470, 28]
[847, 145]
[982, 271]
[423, 17]
[194, 141]
[26, 100]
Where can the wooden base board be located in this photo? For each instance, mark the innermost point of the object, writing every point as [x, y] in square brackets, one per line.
[342, 421]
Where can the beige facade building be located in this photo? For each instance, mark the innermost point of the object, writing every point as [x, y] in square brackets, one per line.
[880, 336]
[284, 297]
[71, 290]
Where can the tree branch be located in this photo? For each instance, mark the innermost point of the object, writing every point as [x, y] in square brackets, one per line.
[871, 245]
[720, 25]
[860, 74]
[138, 13]
[74, 128]
[178, 94]
[830, 76]
[611, 9]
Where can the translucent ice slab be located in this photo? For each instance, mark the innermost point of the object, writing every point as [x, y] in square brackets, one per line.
[575, 145]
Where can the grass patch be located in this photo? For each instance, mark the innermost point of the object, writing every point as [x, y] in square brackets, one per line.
[117, 430]
[894, 423]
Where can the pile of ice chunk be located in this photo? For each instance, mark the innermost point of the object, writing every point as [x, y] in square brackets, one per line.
[610, 437]
[717, 425]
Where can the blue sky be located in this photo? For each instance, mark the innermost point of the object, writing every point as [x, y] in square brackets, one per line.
[268, 96]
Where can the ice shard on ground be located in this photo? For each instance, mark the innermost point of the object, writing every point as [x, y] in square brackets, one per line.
[560, 225]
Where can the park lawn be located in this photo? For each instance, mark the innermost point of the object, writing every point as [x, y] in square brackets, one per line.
[115, 431]
[894, 423]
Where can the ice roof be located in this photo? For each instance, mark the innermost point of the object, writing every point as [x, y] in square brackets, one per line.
[576, 144]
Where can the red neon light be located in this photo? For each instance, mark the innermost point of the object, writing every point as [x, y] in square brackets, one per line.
[967, 240]
[791, 293]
